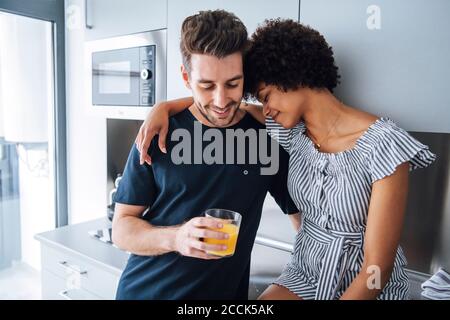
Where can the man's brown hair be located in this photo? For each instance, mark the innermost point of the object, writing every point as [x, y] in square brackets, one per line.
[218, 33]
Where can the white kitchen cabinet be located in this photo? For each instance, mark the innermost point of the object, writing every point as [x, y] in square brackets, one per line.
[77, 266]
[78, 274]
[392, 55]
[109, 18]
[251, 12]
[55, 288]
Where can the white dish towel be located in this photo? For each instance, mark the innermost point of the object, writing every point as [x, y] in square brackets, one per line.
[438, 286]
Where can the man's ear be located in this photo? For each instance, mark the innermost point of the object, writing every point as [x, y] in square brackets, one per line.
[185, 75]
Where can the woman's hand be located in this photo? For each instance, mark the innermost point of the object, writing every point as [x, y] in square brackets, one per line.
[156, 123]
[254, 110]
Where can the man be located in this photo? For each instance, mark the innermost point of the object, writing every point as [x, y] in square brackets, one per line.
[169, 257]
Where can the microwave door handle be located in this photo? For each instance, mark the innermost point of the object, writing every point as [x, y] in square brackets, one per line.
[87, 17]
[116, 73]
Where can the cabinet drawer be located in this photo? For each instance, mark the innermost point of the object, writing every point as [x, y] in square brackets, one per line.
[56, 288]
[73, 268]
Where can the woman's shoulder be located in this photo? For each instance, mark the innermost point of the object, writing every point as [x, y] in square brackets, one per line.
[360, 121]
[370, 128]
[383, 128]
[386, 146]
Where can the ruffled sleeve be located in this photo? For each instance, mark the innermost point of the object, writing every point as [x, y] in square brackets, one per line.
[281, 135]
[394, 146]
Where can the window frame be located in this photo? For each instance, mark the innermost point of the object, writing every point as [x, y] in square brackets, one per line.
[52, 11]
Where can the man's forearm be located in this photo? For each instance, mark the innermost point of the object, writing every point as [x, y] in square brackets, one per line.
[139, 237]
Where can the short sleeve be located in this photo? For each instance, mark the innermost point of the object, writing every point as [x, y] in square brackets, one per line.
[278, 188]
[282, 135]
[393, 147]
[137, 186]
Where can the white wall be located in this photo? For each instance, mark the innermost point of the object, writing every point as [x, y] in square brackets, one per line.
[86, 135]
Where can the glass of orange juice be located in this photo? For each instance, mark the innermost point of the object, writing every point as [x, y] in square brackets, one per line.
[231, 223]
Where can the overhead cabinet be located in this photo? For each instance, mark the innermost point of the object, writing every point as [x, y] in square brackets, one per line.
[110, 18]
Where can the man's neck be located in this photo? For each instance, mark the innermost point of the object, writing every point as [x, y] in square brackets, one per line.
[202, 119]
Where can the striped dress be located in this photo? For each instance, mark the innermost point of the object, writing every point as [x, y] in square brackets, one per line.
[332, 191]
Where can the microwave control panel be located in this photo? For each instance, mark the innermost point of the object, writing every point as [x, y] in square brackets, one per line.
[147, 75]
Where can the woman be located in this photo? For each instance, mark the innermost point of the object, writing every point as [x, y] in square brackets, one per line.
[348, 170]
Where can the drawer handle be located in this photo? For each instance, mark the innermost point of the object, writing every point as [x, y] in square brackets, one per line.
[65, 295]
[87, 17]
[75, 269]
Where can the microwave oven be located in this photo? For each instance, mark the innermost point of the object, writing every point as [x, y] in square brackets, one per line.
[126, 75]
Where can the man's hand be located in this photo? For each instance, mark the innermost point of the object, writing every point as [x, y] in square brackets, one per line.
[156, 123]
[187, 241]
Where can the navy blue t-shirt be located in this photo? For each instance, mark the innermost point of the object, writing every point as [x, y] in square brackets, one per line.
[176, 193]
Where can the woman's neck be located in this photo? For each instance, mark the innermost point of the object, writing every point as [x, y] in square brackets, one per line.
[322, 112]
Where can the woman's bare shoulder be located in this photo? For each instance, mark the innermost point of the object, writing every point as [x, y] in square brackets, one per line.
[361, 120]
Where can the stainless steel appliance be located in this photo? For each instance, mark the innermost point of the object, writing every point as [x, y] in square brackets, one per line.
[112, 193]
[126, 75]
[120, 135]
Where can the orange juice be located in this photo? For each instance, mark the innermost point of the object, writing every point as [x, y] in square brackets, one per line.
[232, 231]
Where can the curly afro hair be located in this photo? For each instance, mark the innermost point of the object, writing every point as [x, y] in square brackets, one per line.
[288, 55]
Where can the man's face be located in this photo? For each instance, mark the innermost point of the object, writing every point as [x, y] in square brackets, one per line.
[216, 85]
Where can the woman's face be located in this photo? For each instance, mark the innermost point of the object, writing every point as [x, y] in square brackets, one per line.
[285, 108]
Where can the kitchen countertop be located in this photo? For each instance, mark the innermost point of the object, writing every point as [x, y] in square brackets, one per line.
[274, 225]
[76, 239]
